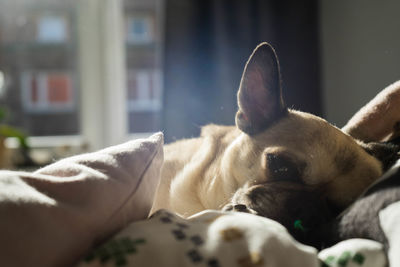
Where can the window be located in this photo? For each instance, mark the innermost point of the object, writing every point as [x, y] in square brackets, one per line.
[144, 61]
[144, 87]
[140, 29]
[99, 80]
[47, 92]
[52, 29]
[144, 100]
[41, 89]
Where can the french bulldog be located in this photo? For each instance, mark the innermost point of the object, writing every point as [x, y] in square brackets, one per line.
[275, 162]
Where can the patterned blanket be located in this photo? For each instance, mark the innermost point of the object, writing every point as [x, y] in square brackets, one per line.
[217, 239]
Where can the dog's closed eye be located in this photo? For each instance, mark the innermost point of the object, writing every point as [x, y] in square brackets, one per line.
[282, 168]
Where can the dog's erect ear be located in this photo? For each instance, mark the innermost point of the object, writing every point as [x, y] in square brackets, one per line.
[259, 96]
[379, 119]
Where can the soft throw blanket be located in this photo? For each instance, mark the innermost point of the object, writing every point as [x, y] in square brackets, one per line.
[217, 239]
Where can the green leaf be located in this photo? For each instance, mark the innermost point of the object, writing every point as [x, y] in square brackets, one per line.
[298, 225]
[9, 131]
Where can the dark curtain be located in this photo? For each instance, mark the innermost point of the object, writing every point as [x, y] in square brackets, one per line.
[207, 44]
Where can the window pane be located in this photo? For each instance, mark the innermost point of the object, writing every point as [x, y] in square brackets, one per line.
[38, 61]
[144, 76]
[52, 29]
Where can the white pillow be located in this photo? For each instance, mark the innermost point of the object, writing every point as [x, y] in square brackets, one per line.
[55, 215]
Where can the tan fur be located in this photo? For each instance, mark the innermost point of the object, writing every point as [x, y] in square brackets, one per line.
[205, 172]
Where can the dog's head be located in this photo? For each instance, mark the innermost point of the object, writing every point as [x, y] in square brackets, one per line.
[283, 156]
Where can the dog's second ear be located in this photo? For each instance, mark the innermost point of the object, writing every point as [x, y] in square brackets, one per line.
[259, 97]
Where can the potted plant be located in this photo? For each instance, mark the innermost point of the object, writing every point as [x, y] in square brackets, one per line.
[10, 131]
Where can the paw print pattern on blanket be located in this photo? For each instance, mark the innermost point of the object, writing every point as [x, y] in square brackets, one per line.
[207, 239]
[353, 253]
[231, 234]
[224, 239]
[252, 260]
[344, 260]
[115, 250]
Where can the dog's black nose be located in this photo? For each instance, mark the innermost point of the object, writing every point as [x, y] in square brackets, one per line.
[240, 207]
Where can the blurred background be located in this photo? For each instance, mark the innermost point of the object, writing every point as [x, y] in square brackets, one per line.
[80, 75]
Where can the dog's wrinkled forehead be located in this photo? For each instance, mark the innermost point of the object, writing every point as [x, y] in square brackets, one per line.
[325, 150]
[299, 129]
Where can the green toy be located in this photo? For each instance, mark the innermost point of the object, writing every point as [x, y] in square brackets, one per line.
[298, 225]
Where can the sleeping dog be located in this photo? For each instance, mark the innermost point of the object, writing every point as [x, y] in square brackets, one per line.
[271, 162]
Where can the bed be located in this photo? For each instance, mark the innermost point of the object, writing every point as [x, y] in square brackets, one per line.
[90, 210]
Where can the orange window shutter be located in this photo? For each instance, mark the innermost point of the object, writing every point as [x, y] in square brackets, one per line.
[58, 87]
